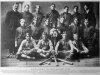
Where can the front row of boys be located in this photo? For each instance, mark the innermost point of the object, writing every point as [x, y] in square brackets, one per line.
[64, 48]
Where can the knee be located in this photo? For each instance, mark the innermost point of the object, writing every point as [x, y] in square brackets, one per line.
[53, 51]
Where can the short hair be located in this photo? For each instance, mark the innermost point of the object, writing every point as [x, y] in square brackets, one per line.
[75, 18]
[37, 6]
[29, 34]
[26, 5]
[66, 7]
[64, 33]
[16, 3]
[75, 33]
[53, 4]
[76, 7]
[22, 19]
[86, 20]
[44, 33]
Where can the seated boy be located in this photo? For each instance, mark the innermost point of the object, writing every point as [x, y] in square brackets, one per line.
[64, 47]
[45, 46]
[78, 48]
[27, 48]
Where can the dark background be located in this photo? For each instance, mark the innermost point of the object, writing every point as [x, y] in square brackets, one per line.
[45, 8]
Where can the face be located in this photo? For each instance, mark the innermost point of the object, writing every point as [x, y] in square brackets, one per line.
[66, 9]
[61, 20]
[22, 22]
[26, 8]
[75, 36]
[75, 20]
[64, 36]
[58, 30]
[15, 7]
[34, 21]
[85, 22]
[44, 37]
[75, 9]
[37, 9]
[47, 22]
[55, 33]
[85, 7]
[54, 26]
[28, 38]
[52, 7]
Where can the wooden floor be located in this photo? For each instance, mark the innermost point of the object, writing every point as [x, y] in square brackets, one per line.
[13, 62]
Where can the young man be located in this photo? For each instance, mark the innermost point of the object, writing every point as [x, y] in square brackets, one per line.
[45, 46]
[53, 15]
[46, 26]
[76, 14]
[35, 31]
[73, 28]
[67, 17]
[61, 26]
[38, 14]
[20, 33]
[27, 15]
[89, 14]
[79, 48]
[89, 36]
[64, 47]
[12, 21]
[27, 48]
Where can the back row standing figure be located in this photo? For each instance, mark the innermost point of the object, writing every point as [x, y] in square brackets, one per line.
[76, 15]
[67, 17]
[27, 15]
[89, 14]
[12, 21]
[53, 15]
[38, 15]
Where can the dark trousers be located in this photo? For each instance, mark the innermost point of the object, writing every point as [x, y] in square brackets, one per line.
[11, 41]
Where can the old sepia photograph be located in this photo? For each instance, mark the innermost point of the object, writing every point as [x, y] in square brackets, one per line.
[50, 34]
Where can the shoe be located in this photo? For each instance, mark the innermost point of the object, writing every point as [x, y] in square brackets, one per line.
[32, 58]
[88, 56]
[77, 60]
[18, 56]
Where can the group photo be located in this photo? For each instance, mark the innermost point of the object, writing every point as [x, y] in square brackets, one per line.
[38, 34]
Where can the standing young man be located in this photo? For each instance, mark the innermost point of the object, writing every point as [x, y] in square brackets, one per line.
[53, 15]
[12, 21]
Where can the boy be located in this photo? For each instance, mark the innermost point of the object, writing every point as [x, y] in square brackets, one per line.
[20, 33]
[27, 48]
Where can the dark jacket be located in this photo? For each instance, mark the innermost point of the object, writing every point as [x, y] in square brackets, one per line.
[13, 19]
